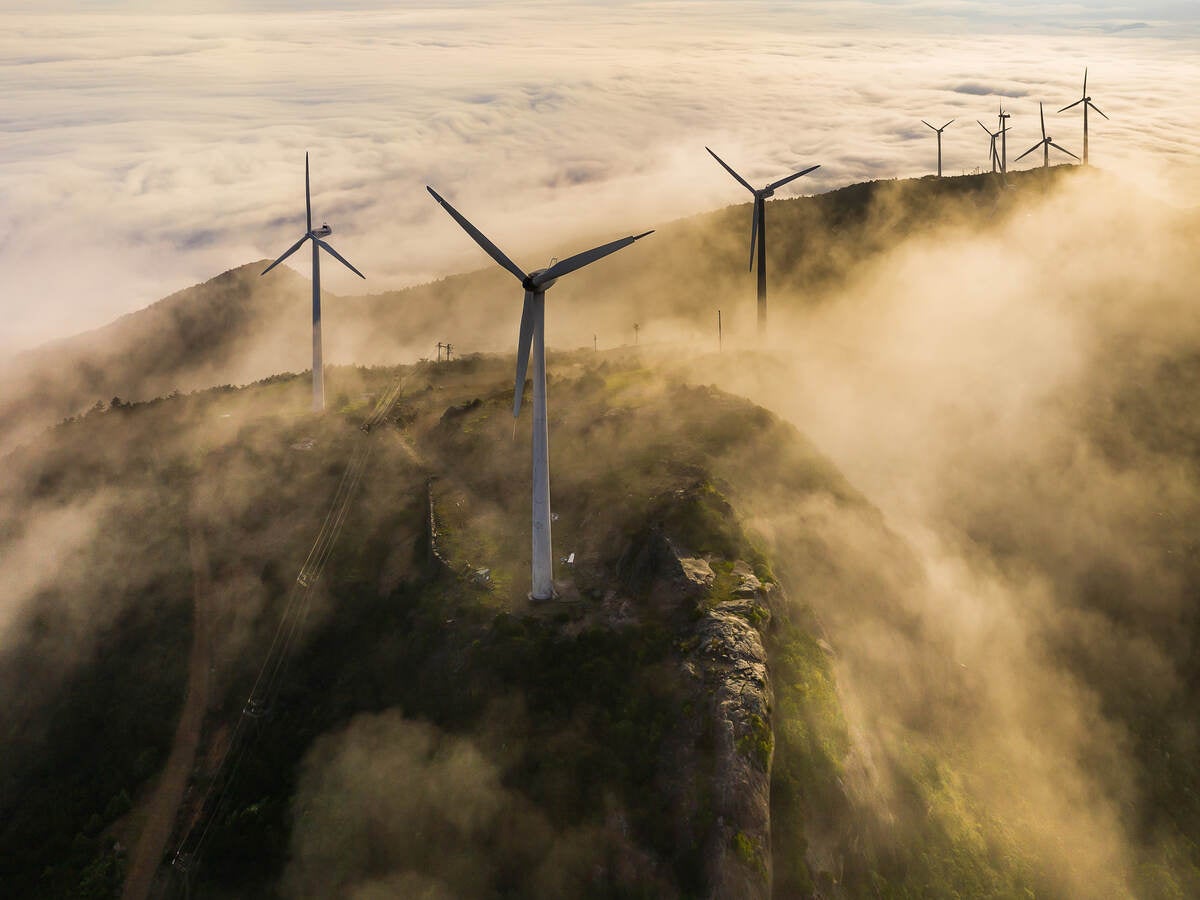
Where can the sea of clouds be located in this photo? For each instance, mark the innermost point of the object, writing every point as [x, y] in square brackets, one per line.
[144, 147]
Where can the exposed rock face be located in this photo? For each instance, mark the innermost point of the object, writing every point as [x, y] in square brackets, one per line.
[697, 573]
[731, 663]
[716, 769]
[721, 765]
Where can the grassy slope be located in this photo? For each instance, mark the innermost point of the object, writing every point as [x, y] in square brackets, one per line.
[596, 702]
[581, 704]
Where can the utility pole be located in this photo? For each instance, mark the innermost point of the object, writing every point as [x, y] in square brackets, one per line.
[449, 348]
[595, 346]
[440, 351]
[636, 326]
[720, 335]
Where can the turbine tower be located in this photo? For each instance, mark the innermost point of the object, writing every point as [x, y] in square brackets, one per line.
[758, 229]
[939, 134]
[1045, 143]
[533, 321]
[315, 235]
[1003, 140]
[1086, 101]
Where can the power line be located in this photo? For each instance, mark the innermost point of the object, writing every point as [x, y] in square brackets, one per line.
[274, 665]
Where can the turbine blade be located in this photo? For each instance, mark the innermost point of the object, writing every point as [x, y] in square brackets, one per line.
[782, 181]
[725, 166]
[478, 236]
[1076, 103]
[307, 194]
[1042, 110]
[339, 258]
[1085, 81]
[985, 128]
[754, 229]
[523, 342]
[947, 125]
[579, 260]
[927, 125]
[290, 251]
[1027, 152]
[1063, 149]
[1096, 108]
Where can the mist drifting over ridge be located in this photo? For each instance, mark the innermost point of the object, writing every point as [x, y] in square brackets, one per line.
[1005, 376]
[591, 117]
[1004, 581]
[1014, 400]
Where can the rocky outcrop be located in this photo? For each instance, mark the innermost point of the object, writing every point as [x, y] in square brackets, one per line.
[730, 662]
[719, 763]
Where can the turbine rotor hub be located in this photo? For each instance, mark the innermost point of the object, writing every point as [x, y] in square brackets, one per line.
[765, 193]
[529, 285]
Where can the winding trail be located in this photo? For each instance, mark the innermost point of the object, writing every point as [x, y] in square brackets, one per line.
[172, 783]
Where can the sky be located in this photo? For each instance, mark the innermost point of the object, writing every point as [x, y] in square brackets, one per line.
[148, 146]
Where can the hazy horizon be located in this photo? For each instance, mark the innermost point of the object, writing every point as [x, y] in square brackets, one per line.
[897, 597]
[144, 156]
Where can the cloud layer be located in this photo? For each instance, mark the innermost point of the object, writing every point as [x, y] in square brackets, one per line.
[145, 152]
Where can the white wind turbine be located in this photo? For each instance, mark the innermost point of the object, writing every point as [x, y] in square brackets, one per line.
[939, 134]
[315, 235]
[1086, 101]
[533, 320]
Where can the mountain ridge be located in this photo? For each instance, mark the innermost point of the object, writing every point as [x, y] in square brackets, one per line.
[235, 328]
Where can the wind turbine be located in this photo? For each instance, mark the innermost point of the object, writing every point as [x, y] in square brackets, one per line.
[315, 235]
[758, 229]
[939, 134]
[1003, 140]
[1045, 143]
[1086, 101]
[995, 154]
[533, 321]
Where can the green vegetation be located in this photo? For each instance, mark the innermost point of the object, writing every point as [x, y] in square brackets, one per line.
[749, 852]
[592, 706]
[811, 746]
[759, 743]
[600, 735]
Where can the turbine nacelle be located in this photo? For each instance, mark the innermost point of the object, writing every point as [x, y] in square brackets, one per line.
[765, 193]
[532, 283]
[323, 231]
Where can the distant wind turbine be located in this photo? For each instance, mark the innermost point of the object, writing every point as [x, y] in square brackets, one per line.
[992, 151]
[1086, 101]
[939, 135]
[1045, 143]
[315, 236]
[758, 229]
[533, 321]
[1003, 127]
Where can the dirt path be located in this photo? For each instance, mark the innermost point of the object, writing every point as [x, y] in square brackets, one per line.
[160, 817]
